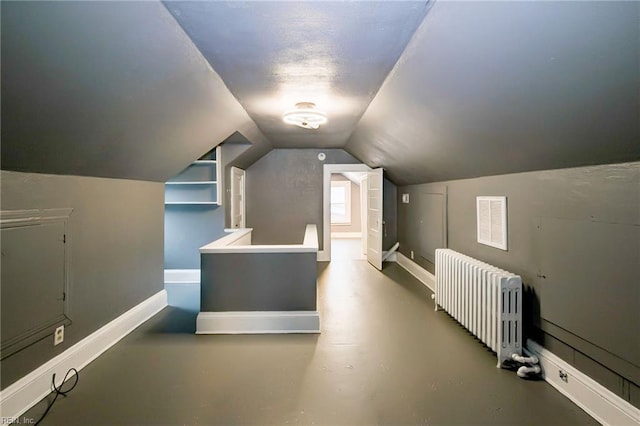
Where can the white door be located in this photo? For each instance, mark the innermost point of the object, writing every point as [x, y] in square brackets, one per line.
[374, 218]
[237, 198]
[363, 213]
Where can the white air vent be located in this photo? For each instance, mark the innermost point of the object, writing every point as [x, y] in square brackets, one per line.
[492, 221]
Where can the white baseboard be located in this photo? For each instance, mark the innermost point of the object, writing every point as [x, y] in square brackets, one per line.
[598, 401]
[346, 235]
[258, 322]
[424, 276]
[180, 276]
[17, 398]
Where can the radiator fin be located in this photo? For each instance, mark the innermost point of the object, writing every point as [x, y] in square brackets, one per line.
[483, 298]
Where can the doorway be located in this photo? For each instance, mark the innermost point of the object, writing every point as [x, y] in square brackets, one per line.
[346, 237]
[238, 207]
[348, 215]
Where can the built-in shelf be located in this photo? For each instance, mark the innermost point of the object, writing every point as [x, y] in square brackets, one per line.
[197, 184]
[204, 182]
[188, 203]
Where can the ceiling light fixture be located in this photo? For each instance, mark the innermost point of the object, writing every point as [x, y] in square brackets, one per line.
[305, 115]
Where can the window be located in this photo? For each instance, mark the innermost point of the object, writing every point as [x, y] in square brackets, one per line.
[341, 202]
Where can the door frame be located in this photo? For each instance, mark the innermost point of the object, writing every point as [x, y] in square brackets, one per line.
[375, 182]
[243, 173]
[327, 171]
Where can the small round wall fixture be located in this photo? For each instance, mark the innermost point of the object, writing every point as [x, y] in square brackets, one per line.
[321, 156]
[305, 115]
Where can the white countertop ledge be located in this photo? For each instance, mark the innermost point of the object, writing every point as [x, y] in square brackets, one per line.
[226, 243]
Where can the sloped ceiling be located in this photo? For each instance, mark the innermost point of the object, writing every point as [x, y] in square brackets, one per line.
[274, 54]
[487, 88]
[110, 89]
[118, 89]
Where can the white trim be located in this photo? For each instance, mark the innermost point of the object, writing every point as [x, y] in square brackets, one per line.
[323, 256]
[234, 244]
[424, 276]
[327, 170]
[599, 402]
[243, 214]
[182, 276]
[16, 399]
[219, 174]
[258, 322]
[235, 236]
[346, 235]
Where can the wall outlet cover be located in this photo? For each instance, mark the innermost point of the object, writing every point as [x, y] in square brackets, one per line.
[405, 198]
[58, 336]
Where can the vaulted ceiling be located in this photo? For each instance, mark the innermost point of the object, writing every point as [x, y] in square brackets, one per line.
[430, 91]
[272, 55]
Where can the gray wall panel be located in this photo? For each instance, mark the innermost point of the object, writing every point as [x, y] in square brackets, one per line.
[432, 230]
[598, 195]
[284, 193]
[258, 282]
[187, 228]
[116, 258]
[389, 214]
[634, 394]
[418, 226]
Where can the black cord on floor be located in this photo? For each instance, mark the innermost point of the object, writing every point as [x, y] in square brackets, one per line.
[58, 390]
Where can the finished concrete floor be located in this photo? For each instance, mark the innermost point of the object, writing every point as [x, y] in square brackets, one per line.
[384, 357]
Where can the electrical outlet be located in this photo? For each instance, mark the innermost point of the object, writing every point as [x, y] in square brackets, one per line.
[411, 254]
[58, 336]
[563, 376]
[405, 198]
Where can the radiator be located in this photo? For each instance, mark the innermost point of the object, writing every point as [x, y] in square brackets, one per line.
[484, 299]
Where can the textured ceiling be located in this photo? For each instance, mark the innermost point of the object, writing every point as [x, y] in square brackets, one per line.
[272, 55]
[117, 89]
[110, 89]
[487, 88]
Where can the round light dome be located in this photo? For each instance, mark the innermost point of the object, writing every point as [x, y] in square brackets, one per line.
[305, 115]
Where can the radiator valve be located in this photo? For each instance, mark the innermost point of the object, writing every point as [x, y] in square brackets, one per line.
[525, 359]
[526, 371]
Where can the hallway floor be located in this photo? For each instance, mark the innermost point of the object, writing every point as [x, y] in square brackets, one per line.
[384, 357]
[347, 249]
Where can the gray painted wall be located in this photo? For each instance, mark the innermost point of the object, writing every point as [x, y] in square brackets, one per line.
[579, 228]
[186, 229]
[258, 282]
[284, 193]
[356, 219]
[389, 214]
[116, 251]
[111, 89]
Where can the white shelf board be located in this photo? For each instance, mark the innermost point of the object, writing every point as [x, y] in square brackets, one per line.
[201, 182]
[205, 162]
[192, 202]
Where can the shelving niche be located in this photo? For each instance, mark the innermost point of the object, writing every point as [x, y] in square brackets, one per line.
[198, 184]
